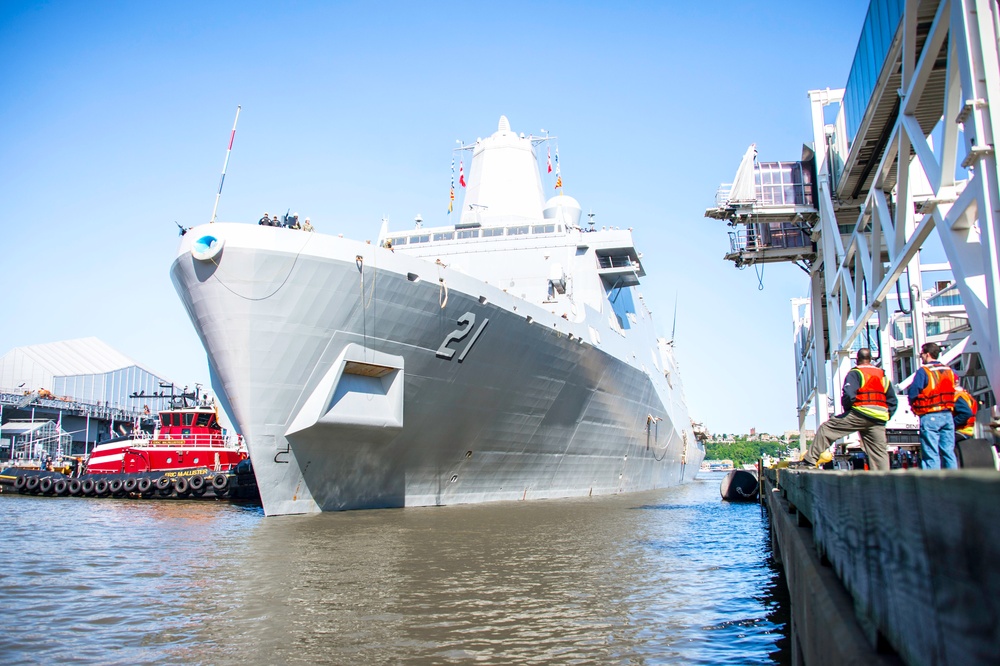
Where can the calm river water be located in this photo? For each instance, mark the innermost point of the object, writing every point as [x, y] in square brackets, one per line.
[670, 577]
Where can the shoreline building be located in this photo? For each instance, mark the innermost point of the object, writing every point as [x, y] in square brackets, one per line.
[902, 160]
[89, 391]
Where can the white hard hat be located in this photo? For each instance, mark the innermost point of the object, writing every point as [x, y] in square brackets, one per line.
[295, 214]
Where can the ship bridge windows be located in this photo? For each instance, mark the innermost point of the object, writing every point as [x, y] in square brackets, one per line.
[518, 230]
[444, 236]
[204, 420]
[492, 231]
[421, 238]
[543, 229]
[468, 233]
[399, 240]
[188, 419]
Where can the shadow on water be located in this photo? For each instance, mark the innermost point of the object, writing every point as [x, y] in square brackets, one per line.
[674, 576]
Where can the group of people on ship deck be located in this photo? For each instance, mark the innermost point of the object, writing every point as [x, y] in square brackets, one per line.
[287, 221]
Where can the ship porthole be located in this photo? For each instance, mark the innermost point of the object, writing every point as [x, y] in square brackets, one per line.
[207, 247]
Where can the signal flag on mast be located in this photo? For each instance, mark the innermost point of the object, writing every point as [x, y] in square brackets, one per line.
[461, 173]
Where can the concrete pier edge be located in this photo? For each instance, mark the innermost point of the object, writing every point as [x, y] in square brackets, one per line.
[892, 567]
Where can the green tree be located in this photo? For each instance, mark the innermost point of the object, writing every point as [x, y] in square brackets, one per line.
[742, 452]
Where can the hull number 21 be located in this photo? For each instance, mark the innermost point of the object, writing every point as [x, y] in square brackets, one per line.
[468, 320]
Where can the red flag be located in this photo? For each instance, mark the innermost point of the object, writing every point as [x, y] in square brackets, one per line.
[549, 160]
[461, 173]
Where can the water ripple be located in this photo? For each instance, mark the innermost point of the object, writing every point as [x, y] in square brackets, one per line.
[675, 576]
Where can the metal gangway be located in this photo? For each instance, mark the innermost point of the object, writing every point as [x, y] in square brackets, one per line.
[909, 163]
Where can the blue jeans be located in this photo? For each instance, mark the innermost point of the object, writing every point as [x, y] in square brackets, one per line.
[937, 441]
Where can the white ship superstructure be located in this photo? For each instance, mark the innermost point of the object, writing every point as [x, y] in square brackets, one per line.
[507, 356]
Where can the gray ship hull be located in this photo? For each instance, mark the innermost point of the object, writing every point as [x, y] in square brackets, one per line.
[363, 378]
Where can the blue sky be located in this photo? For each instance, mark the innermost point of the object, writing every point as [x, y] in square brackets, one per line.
[116, 116]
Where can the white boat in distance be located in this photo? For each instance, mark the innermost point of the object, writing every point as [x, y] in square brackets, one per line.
[508, 356]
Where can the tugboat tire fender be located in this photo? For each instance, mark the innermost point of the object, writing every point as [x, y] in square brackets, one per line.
[220, 481]
[130, 485]
[181, 486]
[162, 483]
[31, 485]
[19, 482]
[75, 486]
[101, 487]
[45, 485]
[196, 483]
[115, 485]
[60, 486]
[143, 485]
[87, 486]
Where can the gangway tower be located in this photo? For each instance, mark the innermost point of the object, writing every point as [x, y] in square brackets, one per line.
[908, 160]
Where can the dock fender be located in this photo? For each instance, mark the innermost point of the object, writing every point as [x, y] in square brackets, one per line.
[220, 481]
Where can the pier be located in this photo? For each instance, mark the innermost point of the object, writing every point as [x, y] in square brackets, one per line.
[888, 567]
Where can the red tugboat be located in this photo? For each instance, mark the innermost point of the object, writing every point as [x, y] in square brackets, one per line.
[187, 439]
[181, 453]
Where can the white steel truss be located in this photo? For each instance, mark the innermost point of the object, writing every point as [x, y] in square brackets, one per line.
[914, 193]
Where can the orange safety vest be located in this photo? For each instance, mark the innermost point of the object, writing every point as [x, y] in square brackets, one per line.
[969, 427]
[870, 400]
[939, 394]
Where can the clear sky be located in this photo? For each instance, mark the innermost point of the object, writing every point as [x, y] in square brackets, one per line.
[115, 118]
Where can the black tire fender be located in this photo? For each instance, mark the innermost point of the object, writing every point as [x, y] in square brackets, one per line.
[162, 483]
[144, 485]
[19, 482]
[181, 486]
[75, 486]
[59, 486]
[115, 485]
[130, 485]
[87, 486]
[196, 483]
[31, 485]
[220, 482]
[101, 487]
